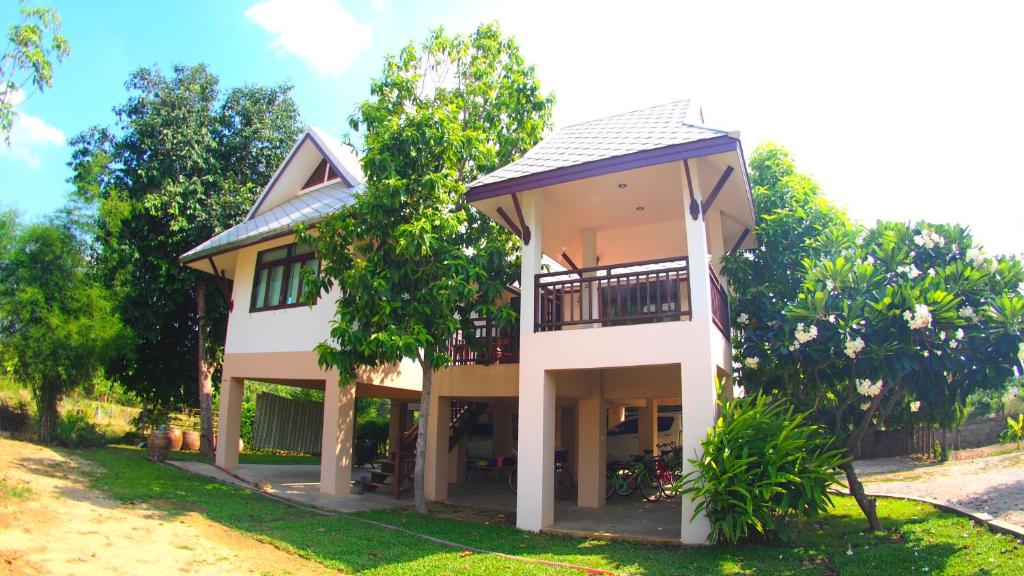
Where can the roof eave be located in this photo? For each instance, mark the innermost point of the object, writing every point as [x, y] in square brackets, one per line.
[641, 159]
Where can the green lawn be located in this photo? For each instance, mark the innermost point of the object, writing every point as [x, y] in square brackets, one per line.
[921, 537]
[252, 458]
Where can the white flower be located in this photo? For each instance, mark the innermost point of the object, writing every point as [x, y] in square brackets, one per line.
[929, 239]
[752, 362]
[1020, 288]
[976, 256]
[853, 347]
[967, 312]
[926, 353]
[792, 347]
[959, 333]
[738, 391]
[953, 343]
[862, 236]
[804, 334]
[868, 388]
[865, 405]
[829, 285]
[911, 271]
[932, 272]
[832, 318]
[942, 335]
[915, 406]
[870, 259]
[743, 318]
[920, 318]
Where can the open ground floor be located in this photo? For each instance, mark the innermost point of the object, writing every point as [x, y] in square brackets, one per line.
[536, 444]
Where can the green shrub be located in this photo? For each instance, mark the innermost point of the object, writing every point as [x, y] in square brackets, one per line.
[14, 417]
[762, 464]
[1014, 430]
[75, 430]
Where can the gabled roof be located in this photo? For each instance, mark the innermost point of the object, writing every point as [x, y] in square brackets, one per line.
[339, 156]
[569, 152]
[284, 203]
[306, 209]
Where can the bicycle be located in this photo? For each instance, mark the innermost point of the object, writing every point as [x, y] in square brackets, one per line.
[654, 476]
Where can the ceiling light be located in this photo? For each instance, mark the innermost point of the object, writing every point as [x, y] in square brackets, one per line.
[639, 208]
[622, 184]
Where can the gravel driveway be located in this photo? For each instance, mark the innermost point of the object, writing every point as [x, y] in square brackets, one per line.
[990, 484]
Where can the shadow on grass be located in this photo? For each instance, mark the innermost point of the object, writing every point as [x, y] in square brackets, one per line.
[920, 536]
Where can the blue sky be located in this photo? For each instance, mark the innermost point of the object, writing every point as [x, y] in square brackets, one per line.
[901, 110]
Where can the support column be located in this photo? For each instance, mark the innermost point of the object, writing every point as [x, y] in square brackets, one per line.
[616, 414]
[535, 502]
[230, 422]
[457, 462]
[590, 440]
[501, 421]
[647, 427]
[436, 475]
[338, 432]
[698, 364]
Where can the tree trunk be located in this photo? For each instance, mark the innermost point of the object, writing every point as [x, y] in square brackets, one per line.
[867, 504]
[205, 376]
[421, 437]
[46, 406]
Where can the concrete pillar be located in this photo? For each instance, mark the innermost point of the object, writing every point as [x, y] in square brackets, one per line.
[535, 504]
[647, 427]
[501, 421]
[230, 422]
[698, 364]
[338, 433]
[588, 241]
[590, 440]
[457, 462]
[616, 414]
[436, 474]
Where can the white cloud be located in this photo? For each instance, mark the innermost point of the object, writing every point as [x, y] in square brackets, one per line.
[29, 135]
[321, 32]
[378, 5]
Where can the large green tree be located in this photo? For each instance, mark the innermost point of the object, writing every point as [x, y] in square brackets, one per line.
[181, 164]
[411, 257]
[56, 320]
[875, 327]
[34, 43]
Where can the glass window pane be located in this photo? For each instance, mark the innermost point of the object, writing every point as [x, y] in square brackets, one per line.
[303, 249]
[276, 276]
[293, 283]
[259, 289]
[275, 254]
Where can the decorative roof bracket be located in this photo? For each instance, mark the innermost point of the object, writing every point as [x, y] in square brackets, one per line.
[694, 205]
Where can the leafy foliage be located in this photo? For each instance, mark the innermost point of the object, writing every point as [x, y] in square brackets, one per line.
[1014, 430]
[57, 322]
[180, 165]
[897, 324]
[76, 430]
[410, 256]
[762, 463]
[34, 44]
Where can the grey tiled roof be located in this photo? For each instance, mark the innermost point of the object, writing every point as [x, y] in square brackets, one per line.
[302, 209]
[618, 135]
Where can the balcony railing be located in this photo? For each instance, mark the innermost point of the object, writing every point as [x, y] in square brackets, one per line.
[616, 295]
[488, 344]
[719, 304]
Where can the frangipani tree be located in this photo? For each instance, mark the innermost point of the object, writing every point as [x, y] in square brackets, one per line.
[897, 321]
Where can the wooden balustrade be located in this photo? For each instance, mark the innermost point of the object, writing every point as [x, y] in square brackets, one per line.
[488, 344]
[615, 295]
[719, 303]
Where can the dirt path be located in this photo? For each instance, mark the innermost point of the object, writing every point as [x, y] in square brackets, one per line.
[60, 526]
[991, 484]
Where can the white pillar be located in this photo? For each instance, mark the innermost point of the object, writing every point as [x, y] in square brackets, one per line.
[535, 504]
[647, 427]
[698, 365]
[590, 440]
[229, 422]
[588, 242]
[338, 431]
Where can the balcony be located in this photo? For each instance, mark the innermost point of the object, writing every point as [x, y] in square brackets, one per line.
[487, 344]
[622, 294]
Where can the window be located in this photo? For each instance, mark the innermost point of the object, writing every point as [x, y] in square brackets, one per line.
[278, 279]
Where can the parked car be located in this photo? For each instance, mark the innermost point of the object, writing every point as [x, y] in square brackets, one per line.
[624, 440]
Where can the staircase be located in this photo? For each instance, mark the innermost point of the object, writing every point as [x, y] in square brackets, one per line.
[396, 472]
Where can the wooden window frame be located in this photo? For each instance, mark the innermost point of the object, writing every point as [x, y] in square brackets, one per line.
[286, 263]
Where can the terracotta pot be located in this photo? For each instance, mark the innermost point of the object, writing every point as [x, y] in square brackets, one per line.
[175, 438]
[190, 441]
[159, 445]
[241, 444]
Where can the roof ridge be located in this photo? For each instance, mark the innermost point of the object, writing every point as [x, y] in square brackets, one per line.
[603, 118]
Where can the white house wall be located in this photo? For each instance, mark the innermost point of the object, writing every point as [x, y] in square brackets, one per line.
[297, 329]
